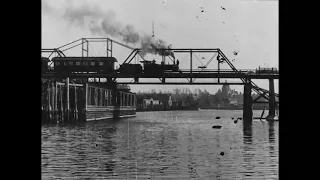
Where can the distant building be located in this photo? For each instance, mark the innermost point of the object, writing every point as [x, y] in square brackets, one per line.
[233, 101]
[150, 102]
[226, 91]
[238, 98]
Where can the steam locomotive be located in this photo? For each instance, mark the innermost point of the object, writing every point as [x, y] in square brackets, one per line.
[105, 65]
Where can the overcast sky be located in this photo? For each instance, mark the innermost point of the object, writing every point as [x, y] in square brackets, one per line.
[247, 26]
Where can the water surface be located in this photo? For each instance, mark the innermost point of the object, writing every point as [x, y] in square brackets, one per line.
[162, 145]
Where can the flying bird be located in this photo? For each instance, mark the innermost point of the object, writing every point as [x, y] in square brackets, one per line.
[223, 8]
[235, 53]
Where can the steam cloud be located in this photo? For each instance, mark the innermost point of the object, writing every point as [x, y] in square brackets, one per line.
[104, 23]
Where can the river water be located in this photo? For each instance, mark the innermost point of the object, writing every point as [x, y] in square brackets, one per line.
[162, 145]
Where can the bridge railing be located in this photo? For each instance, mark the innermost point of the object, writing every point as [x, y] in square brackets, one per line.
[216, 70]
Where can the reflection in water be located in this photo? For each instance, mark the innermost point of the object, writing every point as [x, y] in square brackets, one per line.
[271, 137]
[161, 145]
[271, 131]
[247, 132]
[248, 150]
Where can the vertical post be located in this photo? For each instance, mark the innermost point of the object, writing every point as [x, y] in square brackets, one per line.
[52, 99]
[247, 101]
[111, 48]
[67, 98]
[55, 99]
[191, 66]
[48, 95]
[75, 103]
[61, 104]
[85, 100]
[218, 71]
[87, 48]
[115, 100]
[82, 47]
[272, 107]
[101, 91]
[107, 47]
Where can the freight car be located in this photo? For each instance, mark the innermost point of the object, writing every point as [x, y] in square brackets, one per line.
[84, 64]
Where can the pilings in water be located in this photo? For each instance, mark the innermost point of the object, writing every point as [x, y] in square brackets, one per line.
[247, 101]
[272, 101]
[61, 102]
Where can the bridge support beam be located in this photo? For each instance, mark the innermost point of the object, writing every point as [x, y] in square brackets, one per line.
[272, 105]
[247, 101]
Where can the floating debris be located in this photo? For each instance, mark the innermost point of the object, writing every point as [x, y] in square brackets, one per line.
[232, 118]
[235, 121]
[97, 145]
[203, 58]
[221, 153]
[235, 52]
[218, 117]
[216, 127]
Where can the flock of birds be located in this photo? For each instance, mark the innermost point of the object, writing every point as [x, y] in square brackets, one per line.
[202, 10]
[219, 126]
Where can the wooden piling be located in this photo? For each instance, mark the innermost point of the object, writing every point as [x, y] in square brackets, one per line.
[85, 99]
[48, 93]
[61, 104]
[67, 98]
[55, 100]
[75, 103]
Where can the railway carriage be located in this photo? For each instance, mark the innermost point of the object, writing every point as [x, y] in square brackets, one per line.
[84, 64]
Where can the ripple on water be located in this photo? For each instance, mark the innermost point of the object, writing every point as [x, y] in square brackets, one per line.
[162, 145]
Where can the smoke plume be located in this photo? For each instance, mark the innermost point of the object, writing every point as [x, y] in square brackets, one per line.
[104, 23]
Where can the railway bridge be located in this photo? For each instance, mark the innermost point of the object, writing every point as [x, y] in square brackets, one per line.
[188, 76]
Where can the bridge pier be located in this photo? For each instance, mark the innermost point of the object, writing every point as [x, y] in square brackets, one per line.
[272, 105]
[247, 101]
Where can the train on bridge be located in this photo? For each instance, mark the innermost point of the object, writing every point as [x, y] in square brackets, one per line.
[103, 65]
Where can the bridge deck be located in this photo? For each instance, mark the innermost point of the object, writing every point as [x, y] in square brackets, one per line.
[168, 75]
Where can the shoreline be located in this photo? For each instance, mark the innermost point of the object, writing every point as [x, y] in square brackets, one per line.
[193, 109]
